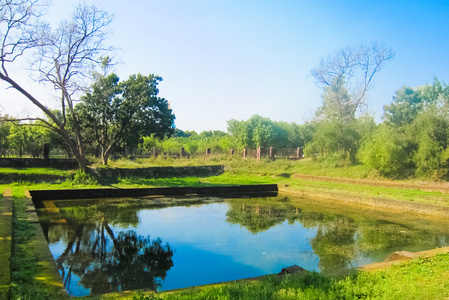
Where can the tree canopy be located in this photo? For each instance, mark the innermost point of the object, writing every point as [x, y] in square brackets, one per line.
[121, 113]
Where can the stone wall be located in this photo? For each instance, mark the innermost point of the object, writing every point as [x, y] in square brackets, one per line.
[64, 164]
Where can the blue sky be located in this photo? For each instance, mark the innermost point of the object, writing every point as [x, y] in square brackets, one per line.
[224, 60]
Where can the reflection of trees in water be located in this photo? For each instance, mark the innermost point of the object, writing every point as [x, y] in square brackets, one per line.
[257, 216]
[339, 238]
[334, 242]
[382, 235]
[106, 262]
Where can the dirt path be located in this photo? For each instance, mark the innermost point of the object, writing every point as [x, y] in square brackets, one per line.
[424, 186]
[432, 210]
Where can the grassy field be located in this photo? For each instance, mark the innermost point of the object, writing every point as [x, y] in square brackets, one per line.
[419, 279]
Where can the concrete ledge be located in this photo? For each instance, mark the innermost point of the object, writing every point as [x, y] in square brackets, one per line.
[40, 195]
[48, 273]
[57, 163]
[161, 172]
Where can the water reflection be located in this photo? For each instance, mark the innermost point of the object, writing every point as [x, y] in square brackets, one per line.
[256, 215]
[105, 246]
[104, 261]
[339, 238]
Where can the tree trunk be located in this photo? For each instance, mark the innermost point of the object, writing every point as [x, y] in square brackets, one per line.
[104, 156]
[106, 153]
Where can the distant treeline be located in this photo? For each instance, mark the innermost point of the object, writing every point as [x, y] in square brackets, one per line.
[251, 134]
[412, 139]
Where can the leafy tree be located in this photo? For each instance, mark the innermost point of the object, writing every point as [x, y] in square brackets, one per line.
[336, 142]
[430, 132]
[28, 138]
[5, 128]
[63, 58]
[405, 107]
[263, 132]
[387, 150]
[119, 114]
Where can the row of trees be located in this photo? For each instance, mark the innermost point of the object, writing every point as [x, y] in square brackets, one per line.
[24, 139]
[255, 132]
[414, 133]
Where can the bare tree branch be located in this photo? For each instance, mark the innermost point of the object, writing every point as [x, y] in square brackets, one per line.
[355, 66]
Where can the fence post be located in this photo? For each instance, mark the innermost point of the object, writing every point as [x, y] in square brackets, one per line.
[297, 153]
[232, 152]
[244, 153]
[271, 152]
[46, 151]
[154, 152]
[181, 153]
[207, 151]
[258, 153]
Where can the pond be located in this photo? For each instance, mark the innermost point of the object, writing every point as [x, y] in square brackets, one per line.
[161, 243]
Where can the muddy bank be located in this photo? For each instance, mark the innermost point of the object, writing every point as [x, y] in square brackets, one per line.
[424, 186]
[391, 205]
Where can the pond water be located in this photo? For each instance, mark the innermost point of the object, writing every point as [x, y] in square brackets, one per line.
[162, 243]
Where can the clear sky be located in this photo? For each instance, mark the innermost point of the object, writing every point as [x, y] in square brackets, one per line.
[231, 59]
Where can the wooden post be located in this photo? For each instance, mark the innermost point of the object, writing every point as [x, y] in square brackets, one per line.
[271, 152]
[207, 151]
[244, 153]
[181, 153]
[258, 153]
[46, 151]
[154, 152]
[232, 152]
[297, 153]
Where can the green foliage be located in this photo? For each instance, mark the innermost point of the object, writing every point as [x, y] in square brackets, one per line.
[335, 142]
[81, 178]
[120, 113]
[405, 107]
[385, 151]
[337, 103]
[28, 138]
[5, 128]
[414, 133]
[263, 132]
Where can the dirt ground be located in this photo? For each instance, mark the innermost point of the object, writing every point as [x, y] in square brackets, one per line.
[417, 185]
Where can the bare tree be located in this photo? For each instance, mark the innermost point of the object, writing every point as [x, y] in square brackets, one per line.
[64, 58]
[347, 74]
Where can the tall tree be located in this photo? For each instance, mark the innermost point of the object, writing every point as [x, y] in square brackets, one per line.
[121, 113]
[62, 59]
[347, 75]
